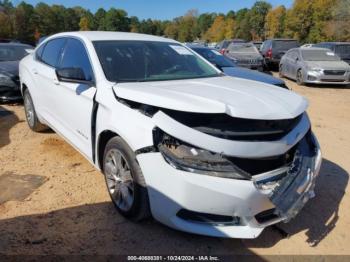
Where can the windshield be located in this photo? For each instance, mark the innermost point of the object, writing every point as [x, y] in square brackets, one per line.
[242, 48]
[319, 55]
[12, 52]
[139, 61]
[214, 57]
[285, 45]
[343, 51]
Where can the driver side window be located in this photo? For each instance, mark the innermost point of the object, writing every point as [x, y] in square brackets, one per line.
[75, 56]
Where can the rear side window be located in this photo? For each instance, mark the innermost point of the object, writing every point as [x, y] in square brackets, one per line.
[75, 56]
[52, 51]
[285, 45]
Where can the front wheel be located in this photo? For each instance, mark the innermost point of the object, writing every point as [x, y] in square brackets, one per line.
[280, 73]
[31, 116]
[300, 80]
[125, 182]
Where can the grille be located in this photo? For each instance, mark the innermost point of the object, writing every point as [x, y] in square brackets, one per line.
[334, 72]
[227, 127]
[249, 61]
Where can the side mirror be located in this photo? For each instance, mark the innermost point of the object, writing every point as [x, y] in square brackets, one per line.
[73, 75]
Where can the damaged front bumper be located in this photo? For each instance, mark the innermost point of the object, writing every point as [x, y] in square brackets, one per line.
[293, 186]
[196, 201]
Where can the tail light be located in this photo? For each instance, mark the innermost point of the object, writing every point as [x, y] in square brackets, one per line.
[269, 53]
[222, 51]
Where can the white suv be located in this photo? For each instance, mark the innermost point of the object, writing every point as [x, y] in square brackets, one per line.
[175, 138]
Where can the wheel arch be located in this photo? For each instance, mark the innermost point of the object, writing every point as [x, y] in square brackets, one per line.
[102, 141]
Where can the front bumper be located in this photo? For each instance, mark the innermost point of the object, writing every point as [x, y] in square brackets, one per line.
[315, 77]
[172, 190]
[11, 91]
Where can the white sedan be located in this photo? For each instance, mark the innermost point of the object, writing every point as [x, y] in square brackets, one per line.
[175, 138]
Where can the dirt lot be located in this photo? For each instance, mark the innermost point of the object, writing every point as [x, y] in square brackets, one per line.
[53, 202]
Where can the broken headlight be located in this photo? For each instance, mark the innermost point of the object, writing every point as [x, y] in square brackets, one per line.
[192, 159]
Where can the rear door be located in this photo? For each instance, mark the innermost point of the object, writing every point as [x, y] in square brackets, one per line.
[47, 58]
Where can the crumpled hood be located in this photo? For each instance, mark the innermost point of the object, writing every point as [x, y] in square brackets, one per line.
[10, 67]
[233, 96]
[328, 65]
[252, 75]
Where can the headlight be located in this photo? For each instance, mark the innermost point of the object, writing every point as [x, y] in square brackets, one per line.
[192, 159]
[5, 80]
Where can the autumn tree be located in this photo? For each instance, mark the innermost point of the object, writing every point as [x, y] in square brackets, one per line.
[274, 26]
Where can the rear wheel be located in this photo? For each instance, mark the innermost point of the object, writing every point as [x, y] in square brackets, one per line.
[300, 80]
[125, 182]
[31, 116]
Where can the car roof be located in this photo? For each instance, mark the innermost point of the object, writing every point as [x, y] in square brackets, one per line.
[312, 48]
[110, 36]
[336, 43]
[282, 39]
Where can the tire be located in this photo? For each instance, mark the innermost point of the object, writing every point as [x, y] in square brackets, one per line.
[299, 78]
[124, 180]
[280, 74]
[31, 116]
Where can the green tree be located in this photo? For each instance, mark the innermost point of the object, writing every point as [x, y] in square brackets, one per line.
[116, 20]
[23, 23]
[257, 16]
[99, 19]
[274, 26]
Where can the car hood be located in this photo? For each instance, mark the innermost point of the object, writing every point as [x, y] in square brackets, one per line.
[330, 65]
[234, 96]
[10, 67]
[251, 75]
[244, 56]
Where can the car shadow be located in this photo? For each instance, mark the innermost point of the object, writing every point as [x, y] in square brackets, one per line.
[8, 119]
[319, 216]
[99, 229]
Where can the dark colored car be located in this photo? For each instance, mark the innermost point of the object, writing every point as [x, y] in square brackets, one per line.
[229, 68]
[273, 49]
[342, 49]
[10, 55]
[222, 46]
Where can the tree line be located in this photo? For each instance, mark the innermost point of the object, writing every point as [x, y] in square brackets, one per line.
[307, 21]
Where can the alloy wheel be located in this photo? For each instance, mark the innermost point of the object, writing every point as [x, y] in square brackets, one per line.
[119, 180]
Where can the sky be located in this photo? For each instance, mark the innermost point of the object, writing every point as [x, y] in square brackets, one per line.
[160, 9]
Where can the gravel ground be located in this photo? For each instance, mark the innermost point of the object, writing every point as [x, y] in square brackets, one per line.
[52, 201]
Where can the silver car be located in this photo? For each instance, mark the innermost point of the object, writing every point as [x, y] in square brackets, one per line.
[314, 66]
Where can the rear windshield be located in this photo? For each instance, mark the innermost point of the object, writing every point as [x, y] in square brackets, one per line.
[343, 51]
[214, 57]
[13, 52]
[319, 55]
[285, 45]
[243, 48]
[140, 61]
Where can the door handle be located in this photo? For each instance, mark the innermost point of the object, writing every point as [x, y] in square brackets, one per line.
[35, 72]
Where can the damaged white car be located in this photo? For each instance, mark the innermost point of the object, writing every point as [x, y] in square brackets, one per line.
[175, 138]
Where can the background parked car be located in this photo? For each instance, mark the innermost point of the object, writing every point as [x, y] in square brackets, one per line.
[222, 46]
[314, 65]
[342, 49]
[10, 55]
[231, 69]
[273, 49]
[245, 55]
[257, 44]
[307, 45]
